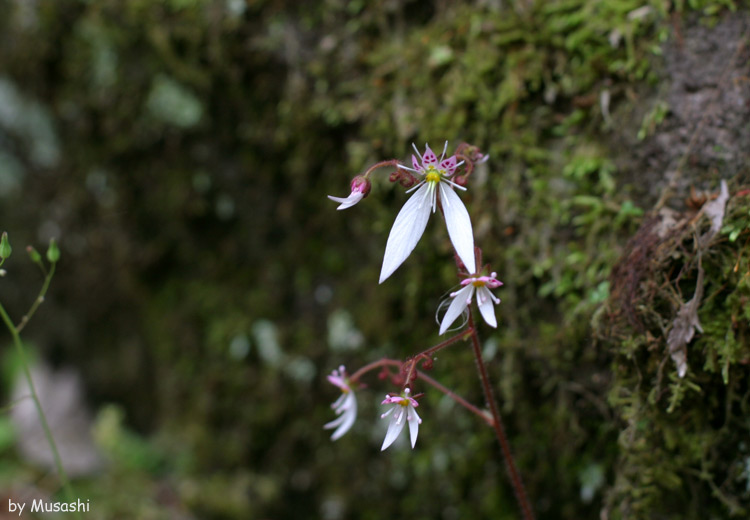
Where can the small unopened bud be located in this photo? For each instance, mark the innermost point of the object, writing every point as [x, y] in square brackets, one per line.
[34, 255]
[5, 249]
[361, 184]
[407, 180]
[53, 252]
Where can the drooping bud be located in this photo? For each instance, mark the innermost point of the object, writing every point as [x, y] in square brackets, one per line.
[361, 184]
[360, 187]
[5, 249]
[53, 252]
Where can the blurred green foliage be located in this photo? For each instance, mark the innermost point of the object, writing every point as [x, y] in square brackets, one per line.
[181, 151]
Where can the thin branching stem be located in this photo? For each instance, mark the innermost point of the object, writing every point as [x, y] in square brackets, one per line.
[39, 299]
[450, 341]
[15, 332]
[427, 379]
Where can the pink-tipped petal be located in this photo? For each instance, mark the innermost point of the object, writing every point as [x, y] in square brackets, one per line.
[456, 308]
[459, 226]
[449, 165]
[486, 306]
[429, 158]
[407, 229]
[415, 163]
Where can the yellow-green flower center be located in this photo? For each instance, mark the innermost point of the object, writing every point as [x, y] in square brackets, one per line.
[478, 283]
[432, 175]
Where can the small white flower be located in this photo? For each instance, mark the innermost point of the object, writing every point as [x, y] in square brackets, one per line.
[345, 406]
[411, 221]
[403, 411]
[360, 187]
[462, 299]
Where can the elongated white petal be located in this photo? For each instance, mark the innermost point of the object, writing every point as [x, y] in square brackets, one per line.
[486, 306]
[414, 421]
[456, 307]
[394, 428]
[348, 414]
[406, 231]
[459, 226]
[347, 202]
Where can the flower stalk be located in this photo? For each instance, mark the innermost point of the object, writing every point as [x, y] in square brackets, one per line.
[15, 332]
[497, 425]
[433, 183]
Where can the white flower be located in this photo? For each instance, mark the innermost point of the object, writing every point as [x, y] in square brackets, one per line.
[345, 406]
[412, 219]
[462, 299]
[360, 187]
[403, 411]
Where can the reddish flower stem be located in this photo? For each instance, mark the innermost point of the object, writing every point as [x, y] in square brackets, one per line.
[450, 341]
[381, 164]
[426, 355]
[515, 476]
[460, 400]
[427, 379]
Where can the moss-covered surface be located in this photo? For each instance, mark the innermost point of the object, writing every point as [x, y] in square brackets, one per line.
[685, 439]
[182, 152]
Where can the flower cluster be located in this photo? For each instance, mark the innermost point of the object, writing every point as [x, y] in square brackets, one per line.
[433, 184]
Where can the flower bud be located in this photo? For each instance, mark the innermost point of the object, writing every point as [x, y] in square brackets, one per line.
[5, 249]
[361, 184]
[53, 253]
[34, 255]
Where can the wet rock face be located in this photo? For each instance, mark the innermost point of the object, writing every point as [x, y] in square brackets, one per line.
[710, 94]
[666, 332]
[705, 92]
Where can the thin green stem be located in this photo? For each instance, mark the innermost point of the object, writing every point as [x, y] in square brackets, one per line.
[38, 301]
[9, 407]
[15, 332]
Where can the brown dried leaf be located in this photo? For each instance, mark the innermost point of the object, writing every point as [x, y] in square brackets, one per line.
[714, 210]
[684, 327]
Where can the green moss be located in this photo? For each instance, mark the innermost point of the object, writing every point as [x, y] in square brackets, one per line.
[685, 438]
